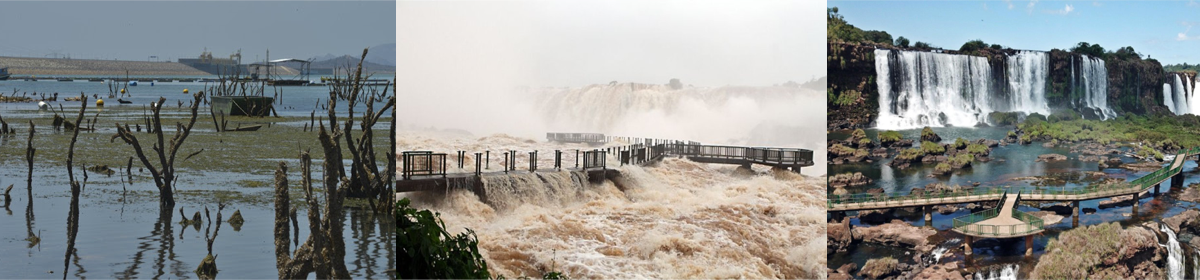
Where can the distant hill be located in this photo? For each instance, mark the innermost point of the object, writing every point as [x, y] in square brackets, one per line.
[384, 54]
[351, 61]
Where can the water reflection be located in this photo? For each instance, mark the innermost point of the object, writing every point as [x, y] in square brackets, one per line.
[165, 250]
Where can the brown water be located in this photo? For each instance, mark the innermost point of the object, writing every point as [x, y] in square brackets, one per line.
[678, 219]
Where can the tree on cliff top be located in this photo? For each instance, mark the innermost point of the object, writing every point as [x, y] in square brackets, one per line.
[837, 29]
[1089, 49]
[973, 46]
[902, 42]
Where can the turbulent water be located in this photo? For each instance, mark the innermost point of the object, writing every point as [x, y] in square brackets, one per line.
[1005, 272]
[779, 116]
[918, 89]
[1093, 81]
[678, 219]
[1174, 255]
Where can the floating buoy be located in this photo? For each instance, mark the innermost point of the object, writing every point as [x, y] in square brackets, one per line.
[122, 90]
[43, 106]
[185, 90]
[99, 102]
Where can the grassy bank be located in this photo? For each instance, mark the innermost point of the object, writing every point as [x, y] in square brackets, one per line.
[1162, 132]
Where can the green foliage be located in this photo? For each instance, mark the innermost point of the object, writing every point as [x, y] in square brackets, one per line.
[902, 42]
[960, 160]
[972, 46]
[428, 251]
[1149, 152]
[858, 134]
[1089, 49]
[978, 149]
[910, 154]
[1082, 252]
[931, 148]
[1064, 115]
[1004, 118]
[1035, 116]
[864, 142]
[960, 143]
[942, 168]
[922, 45]
[1181, 131]
[889, 136]
[1127, 53]
[927, 132]
[997, 47]
[848, 97]
[1184, 67]
[1012, 134]
[881, 37]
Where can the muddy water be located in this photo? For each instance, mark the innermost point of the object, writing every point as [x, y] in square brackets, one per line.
[678, 219]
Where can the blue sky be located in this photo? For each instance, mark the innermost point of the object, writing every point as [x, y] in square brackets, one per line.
[1168, 31]
[135, 30]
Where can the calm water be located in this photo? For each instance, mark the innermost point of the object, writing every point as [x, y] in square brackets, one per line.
[295, 101]
[123, 236]
[1008, 162]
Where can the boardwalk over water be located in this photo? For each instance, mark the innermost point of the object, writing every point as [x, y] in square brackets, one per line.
[429, 171]
[1005, 221]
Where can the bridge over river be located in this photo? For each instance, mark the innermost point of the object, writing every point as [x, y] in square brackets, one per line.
[427, 170]
[1005, 221]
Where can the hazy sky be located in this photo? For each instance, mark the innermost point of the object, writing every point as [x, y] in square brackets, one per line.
[1164, 30]
[575, 43]
[137, 30]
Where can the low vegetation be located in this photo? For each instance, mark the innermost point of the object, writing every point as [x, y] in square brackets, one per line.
[1159, 131]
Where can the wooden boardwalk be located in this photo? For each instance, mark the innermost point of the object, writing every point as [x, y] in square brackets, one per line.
[1003, 225]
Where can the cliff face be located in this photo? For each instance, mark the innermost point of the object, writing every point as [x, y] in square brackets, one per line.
[1135, 86]
[853, 98]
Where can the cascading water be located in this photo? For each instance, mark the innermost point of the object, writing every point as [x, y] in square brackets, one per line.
[1174, 255]
[543, 188]
[1168, 100]
[1027, 72]
[919, 89]
[1006, 272]
[1093, 81]
[1180, 96]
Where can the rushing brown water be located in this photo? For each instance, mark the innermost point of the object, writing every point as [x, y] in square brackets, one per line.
[677, 219]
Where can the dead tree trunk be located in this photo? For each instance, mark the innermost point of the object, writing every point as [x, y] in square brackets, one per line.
[164, 175]
[76, 188]
[324, 251]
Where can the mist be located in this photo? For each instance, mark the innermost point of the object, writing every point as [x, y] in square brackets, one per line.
[524, 69]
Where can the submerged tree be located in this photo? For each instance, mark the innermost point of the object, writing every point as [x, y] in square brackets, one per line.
[164, 174]
[367, 178]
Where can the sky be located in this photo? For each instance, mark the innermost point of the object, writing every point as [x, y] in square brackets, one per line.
[575, 43]
[170, 30]
[1168, 31]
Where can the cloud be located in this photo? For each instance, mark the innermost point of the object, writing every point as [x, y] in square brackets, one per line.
[1029, 8]
[985, 6]
[1182, 36]
[1193, 3]
[1010, 4]
[1066, 10]
[1097, 3]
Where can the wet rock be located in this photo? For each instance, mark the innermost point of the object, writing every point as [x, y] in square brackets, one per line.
[946, 209]
[1143, 166]
[841, 236]
[1191, 193]
[1188, 221]
[840, 191]
[987, 142]
[947, 271]
[879, 153]
[1051, 157]
[1050, 144]
[849, 180]
[845, 272]
[879, 268]
[1117, 201]
[927, 134]
[902, 143]
[897, 233]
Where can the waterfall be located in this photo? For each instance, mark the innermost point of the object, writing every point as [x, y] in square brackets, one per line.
[1174, 255]
[1027, 73]
[1167, 100]
[1007, 272]
[936, 255]
[1094, 83]
[919, 89]
[541, 188]
[1181, 97]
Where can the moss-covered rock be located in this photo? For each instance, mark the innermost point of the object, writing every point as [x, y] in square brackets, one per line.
[1103, 249]
[927, 134]
[879, 268]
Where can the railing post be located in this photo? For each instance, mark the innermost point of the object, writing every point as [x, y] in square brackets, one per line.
[576, 158]
[487, 158]
[478, 167]
[558, 159]
[505, 162]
